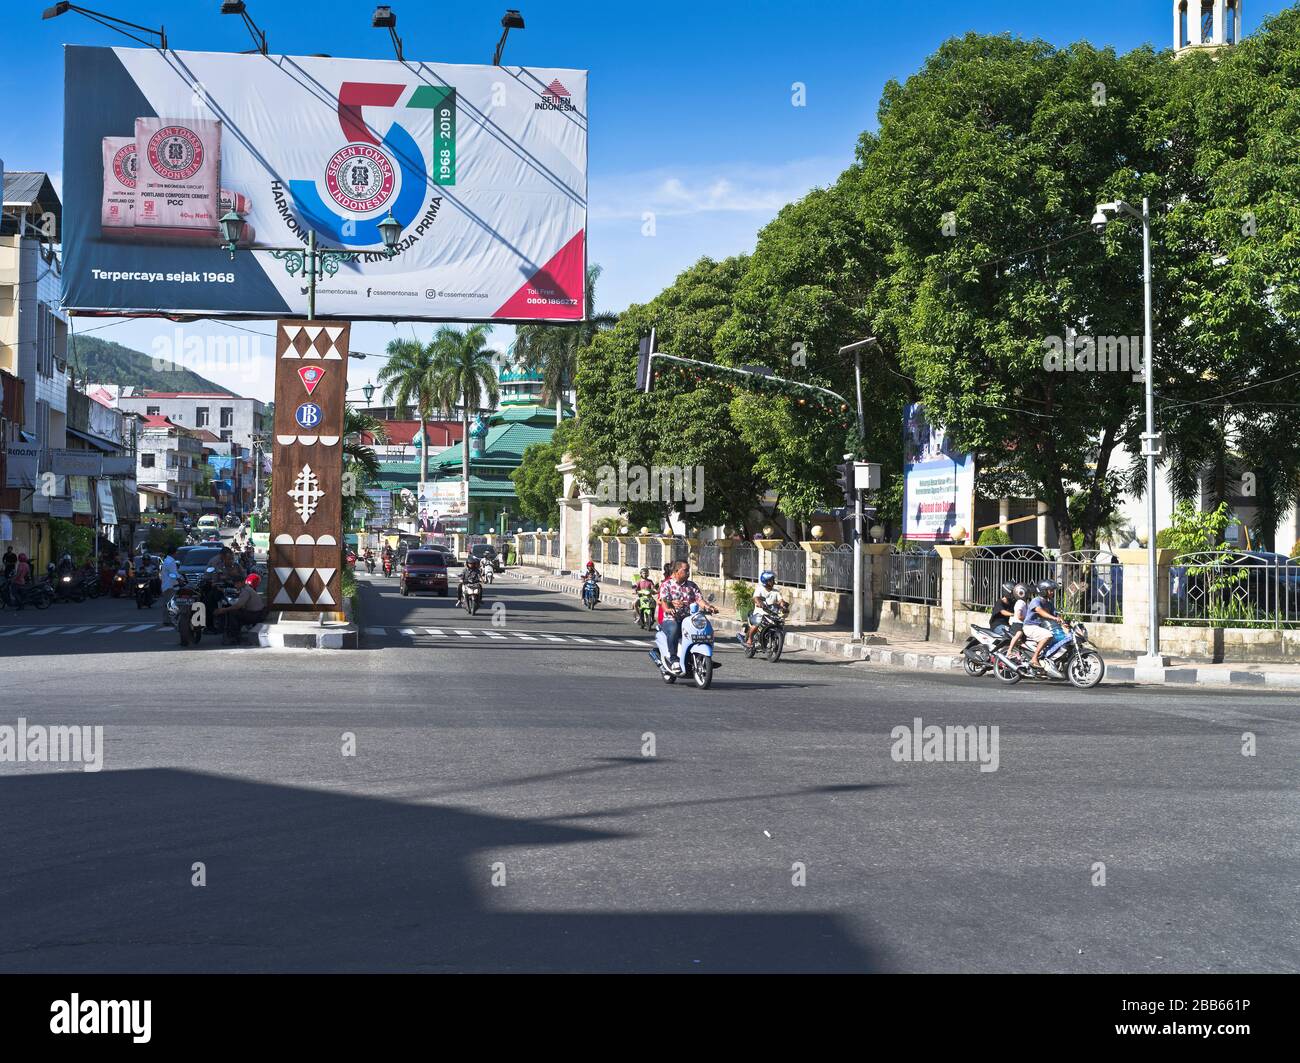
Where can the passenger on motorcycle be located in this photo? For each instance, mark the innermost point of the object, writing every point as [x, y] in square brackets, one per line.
[1039, 618]
[1004, 610]
[766, 598]
[1017, 626]
[171, 580]
[590, 575]
[471, 574]
[677, 594]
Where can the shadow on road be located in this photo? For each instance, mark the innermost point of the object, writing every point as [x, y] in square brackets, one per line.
[97, 877]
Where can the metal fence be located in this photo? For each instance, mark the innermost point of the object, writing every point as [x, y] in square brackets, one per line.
[710, 560]
[654, 556]
[913, 575]
[596, 553]
[1228, 588]
[611, 555]
[632, 553]
[1092, 581]
[526, 545]
[475, 540]
[678, 550]
[837, 569]
[744, 561]
[555, 546]
[790, 563]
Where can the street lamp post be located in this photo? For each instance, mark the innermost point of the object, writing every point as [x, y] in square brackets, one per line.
[1150, 440]
[856, 348]
[313, 260]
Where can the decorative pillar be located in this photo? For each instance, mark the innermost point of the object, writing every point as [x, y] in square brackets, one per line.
[951, 582]
[305, 558]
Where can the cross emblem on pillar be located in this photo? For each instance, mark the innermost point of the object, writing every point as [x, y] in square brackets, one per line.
[306, 493]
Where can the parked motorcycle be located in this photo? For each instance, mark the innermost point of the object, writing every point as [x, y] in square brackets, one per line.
[590, 593]
[39, 595]
[90, 585]
[471, 596]
[645, 609]
[694, 651]
[770, 636]
[1071, 660]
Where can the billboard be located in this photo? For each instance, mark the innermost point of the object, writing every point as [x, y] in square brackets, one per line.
[441, 504]
[938, 485]
[484, 167]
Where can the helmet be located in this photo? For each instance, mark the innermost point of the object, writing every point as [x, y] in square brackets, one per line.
[253, 580]
[1008, 589]
[591, 564]
[1021, 591]
[22, 557]
[767, 577]
[471, 562]
[66, 557]
[1048, 586]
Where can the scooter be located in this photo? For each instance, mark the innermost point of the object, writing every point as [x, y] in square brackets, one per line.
[645, 609]
[143, 587]
[590, 593]
[486, 574]
[471, 595]
[388, 565]
[370, 564]
[1070, 660]
[694, 653]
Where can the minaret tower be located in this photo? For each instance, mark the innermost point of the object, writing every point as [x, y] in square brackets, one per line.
[1206, 25]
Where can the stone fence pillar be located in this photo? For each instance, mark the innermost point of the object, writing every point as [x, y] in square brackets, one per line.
[952, 582]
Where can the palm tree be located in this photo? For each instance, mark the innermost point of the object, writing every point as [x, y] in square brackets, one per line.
[359, 458]
[410, 381]
[464, 371]
[552, 350]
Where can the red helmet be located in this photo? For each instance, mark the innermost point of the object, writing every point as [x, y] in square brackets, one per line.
[591, 564]
[253, 580]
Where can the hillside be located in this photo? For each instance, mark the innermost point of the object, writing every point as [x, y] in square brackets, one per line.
[105, 362]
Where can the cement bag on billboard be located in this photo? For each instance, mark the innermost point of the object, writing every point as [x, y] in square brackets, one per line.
[484, 168]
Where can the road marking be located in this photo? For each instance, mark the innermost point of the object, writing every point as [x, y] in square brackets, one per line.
[46, 630]
[13, 631]
[140, 627]
[492, 636]
[552, 638]
[577, 638]
[111, 627]
[612, 642]
[434, 631]
[78, 630]
[407, 631]
[521, 635]
[376, 631]
[467, 634]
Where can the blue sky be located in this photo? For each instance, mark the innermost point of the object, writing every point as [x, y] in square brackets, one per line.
[690, 103]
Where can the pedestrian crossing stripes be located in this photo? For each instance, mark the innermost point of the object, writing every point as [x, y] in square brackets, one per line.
[459, 635]
[59, 630]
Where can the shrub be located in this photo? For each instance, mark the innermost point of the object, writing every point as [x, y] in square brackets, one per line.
[69, 538]
[743, 595]
[994, 537]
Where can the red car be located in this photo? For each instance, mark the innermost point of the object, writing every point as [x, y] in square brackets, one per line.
[424, 570]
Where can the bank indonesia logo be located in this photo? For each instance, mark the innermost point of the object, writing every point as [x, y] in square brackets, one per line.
[309, 415]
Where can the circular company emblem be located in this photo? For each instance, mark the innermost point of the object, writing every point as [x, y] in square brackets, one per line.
[124, 166]
[309, 415]
[175, 153]
[360, 178]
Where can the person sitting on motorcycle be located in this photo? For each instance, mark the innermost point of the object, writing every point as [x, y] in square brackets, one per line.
[1003, 609]
[590, 575]
[766, 599]
[248, 608]
[1020, 594]
[1039, 618]
[677, 594]
[66, 567]
[644, 583]
[471, 574]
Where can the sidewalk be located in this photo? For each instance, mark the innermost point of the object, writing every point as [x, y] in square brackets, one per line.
[944, 657]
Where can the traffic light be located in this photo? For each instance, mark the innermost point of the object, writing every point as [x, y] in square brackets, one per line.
[643, 381]
[845, 482]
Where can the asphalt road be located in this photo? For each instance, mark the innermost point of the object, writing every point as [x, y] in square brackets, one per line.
[499, 813]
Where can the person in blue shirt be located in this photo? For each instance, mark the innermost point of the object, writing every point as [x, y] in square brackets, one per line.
[1040, 619]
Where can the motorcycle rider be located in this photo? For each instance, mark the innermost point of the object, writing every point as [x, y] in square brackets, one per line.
[471, 574]
[644, 583]
[590, 575]
[171, 579]
[1039, 618]
[387, 555]
[370, 560]
[766, 599]
[677, 594]
[248, 608]
[227, 569]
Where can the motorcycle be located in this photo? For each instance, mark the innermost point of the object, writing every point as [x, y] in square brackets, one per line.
[977, 654]
[471, 596]
[68, 589]
[486, 574]
[1069, 660]
[388, 565]
[590, 593]
[146, 586]
[770, 636]
[645, 609]
[694, 652]
[370, 565]
[90, 586]
[39, 595]
[182, 612]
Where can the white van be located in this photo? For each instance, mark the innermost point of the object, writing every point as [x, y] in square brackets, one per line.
[209, 523]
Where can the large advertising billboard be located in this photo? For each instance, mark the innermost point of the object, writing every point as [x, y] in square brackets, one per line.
[484, 168]
[938, 484]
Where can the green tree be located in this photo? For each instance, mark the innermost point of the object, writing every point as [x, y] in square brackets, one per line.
[360, 460]
[464, 374]
[410, 380]
[552, 350]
